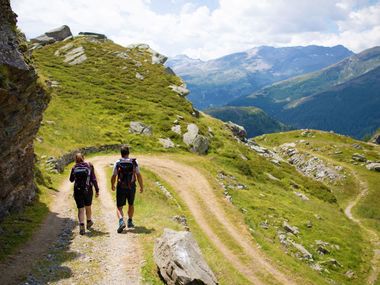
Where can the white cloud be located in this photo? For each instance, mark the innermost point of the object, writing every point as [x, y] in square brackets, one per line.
[200, 32]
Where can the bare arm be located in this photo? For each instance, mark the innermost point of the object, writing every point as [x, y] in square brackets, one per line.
[140, 180]
[113, 180]
[72, 177]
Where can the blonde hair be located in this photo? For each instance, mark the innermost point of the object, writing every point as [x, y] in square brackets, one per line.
[79, 158]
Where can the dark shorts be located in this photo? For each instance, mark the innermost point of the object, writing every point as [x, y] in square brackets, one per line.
[122, 195]
[83, 198]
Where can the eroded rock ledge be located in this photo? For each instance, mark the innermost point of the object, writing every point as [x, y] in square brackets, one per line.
[22, 102]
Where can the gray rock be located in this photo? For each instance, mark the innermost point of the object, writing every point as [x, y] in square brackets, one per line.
[305, 253]
[237, 131]
[158, 58]
[58, 34]
[350, 274]
[170, 71]
[373, 166]
[191, 134]
[95, 35]
[331, 262]
[74, 56]
[376, 138]
[139, 46]
[176, 129]
[359, 157]
[139, 76]
[180, 260]
[140, 128]
[200, 144]
[167, 143]
[290, 229]
[302, 196]
[180, 90]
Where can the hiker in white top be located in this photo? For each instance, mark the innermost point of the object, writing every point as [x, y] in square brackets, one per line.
[127, 171]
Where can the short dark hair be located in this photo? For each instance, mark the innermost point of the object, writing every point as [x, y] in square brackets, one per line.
[124, 150]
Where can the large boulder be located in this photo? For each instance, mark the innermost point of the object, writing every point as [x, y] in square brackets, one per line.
[373, 166]
[180, 260]
[237, 131]
[22, 102]
[140, 128]
[166, 143]
[200, 144]
[55, 35]
[191, 134]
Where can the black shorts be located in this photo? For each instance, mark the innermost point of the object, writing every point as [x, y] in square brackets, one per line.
[82, 197]
[123, 194]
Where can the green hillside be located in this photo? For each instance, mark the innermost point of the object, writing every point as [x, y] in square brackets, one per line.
[255, 121]
[93, 103]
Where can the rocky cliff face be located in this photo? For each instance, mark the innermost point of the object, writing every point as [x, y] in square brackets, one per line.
[22, 102]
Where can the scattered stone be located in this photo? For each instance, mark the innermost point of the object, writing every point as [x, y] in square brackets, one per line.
[140, 128]
[180, 260]
[357, 146]
[316, 267]
[180, 90]
[373, 166]
[309, 224]
[331, 262]
[302, 196]
[75, 56]
[290, 229]
[358, 157]
[264, 225]
[182, 221]
[167, 143]
[350, 274]
[318, 217]
[228, 198]
[237, 131]
[164, 190]
[195, 113]
[271, 177]
[177, 129]
[139, 76]
[283, 238]
[305, 253]
[122, 54]
[94, 35]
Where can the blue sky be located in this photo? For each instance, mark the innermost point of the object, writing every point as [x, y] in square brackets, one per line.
[212, 28]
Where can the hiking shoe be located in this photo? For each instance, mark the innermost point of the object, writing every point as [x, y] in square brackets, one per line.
[130, 223]
[82, 230]
[121, 227]
[89, 224]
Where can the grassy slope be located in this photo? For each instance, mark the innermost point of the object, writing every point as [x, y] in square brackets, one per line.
[97, 99]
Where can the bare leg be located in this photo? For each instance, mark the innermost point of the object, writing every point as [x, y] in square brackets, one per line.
[120, 213]
[81, 215]
[88, 213]
[131, 210]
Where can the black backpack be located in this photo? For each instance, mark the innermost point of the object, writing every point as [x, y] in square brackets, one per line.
[82, 177]
[126, 173]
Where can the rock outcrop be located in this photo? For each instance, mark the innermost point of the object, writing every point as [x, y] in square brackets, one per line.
[140, 128]
[180, 260]
[237, 131]
[376, 138]
[95, 35]
[52, 36]
[22, 102]
[373, 166]
[180, 90]
[197, 142]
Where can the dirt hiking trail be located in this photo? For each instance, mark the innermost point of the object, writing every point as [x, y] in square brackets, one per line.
[117, 258]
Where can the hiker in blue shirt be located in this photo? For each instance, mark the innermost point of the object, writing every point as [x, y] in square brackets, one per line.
[126, 170]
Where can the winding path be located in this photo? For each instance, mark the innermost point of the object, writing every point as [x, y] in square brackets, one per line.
[121, 254]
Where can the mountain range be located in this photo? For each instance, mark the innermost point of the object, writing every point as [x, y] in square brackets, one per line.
[343, 97]
[218, 81]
